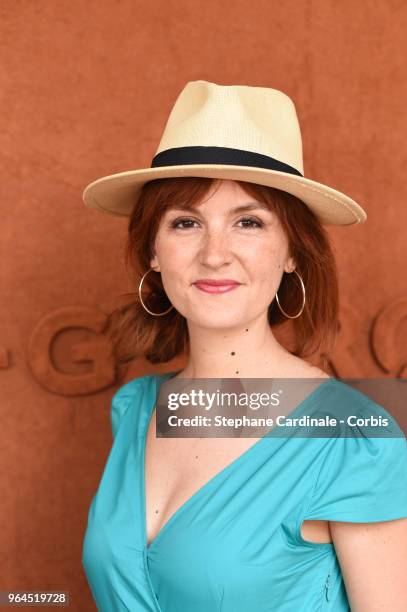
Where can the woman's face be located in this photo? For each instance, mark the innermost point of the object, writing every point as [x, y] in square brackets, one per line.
[215, 241]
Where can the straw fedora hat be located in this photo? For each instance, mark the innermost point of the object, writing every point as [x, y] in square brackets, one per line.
[235, 132]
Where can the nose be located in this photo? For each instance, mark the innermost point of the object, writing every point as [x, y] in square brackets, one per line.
[214, 250]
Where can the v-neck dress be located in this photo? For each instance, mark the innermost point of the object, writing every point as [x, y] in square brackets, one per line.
[235, 545]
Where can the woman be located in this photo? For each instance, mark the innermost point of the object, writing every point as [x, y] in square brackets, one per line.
[232, 525]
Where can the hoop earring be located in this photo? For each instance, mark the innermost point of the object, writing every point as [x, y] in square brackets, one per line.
[303, 300]
[155, 314]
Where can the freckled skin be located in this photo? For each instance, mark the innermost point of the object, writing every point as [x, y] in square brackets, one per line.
[250, 247]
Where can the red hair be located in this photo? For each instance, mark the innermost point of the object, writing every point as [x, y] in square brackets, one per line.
[135, 333]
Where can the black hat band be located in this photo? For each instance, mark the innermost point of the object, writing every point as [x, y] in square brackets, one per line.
[179, 156]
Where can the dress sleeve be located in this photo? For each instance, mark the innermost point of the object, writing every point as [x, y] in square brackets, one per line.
[120, 403]
[129, 394]
[362, 479]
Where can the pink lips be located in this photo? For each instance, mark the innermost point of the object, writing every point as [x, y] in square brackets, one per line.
[216, 286]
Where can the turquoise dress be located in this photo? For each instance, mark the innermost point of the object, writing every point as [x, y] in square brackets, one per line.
[235, 545]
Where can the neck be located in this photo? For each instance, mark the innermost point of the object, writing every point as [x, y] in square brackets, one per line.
[247, 351]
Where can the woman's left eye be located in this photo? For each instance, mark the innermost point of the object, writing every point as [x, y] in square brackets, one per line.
[252, 221]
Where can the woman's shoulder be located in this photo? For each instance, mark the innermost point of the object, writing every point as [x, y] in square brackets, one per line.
[138, 386]
[133, 393]
[346, 398]
[297, 367]
[360, 415]
[133, 386]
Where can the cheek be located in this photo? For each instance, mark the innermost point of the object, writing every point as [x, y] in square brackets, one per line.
[265, 257]
[170, 253]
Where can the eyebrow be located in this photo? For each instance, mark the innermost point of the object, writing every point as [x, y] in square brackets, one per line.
[237, 209]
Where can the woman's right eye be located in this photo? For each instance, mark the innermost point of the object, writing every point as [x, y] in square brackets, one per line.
[177, 223]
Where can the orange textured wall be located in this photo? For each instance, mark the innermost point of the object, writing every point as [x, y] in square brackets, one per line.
[85, 90]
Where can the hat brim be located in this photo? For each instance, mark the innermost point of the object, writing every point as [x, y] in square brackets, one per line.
[117, 194]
